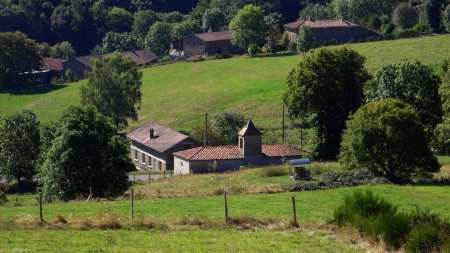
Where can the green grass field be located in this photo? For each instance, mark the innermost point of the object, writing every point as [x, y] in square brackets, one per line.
[179, 94]
[184, 240]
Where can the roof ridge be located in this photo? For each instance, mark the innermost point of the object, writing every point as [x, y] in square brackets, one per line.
[199, 149]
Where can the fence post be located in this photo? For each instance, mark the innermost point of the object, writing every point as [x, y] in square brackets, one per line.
[294, 210]
[132, 204]
[225, 205]
[134, 177]
[164, 174]
[149, 176]
[41, 217]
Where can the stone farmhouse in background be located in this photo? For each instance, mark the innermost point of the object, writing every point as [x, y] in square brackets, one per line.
[324, 31]
[207, 44]
[249, 151]
[153, 145]
[78, 66]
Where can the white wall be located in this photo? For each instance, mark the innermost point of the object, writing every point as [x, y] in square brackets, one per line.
[180, 166]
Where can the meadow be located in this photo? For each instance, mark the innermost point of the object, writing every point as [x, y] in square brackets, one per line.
[178, 95]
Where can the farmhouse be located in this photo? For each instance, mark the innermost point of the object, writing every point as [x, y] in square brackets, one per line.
[152, 146]
[249, 151]
[340, 30]
[206, 44]
[78, 66]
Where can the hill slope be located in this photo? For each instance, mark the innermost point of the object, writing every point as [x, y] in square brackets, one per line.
[179, 94]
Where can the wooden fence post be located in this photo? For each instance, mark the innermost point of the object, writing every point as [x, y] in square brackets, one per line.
[132, 204]
[294, 210]
[164, 174]
[41, 217]
[134, 177]
[225, 205]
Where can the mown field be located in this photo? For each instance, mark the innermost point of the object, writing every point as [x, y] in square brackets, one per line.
[179, 94]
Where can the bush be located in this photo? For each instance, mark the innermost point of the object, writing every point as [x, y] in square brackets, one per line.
[425, 238]
[3, 198]
[274, 172]
[332, 180]
[393, 228]
[252, 49]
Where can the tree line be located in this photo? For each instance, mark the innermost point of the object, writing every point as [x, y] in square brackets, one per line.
[389, 123]
[83, 147]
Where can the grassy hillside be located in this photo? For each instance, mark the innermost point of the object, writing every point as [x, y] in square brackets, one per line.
[179, 94]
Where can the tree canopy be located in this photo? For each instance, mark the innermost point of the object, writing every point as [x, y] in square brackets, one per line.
[328, 85]
[414, 83]
[305, 39]
[213, 20]
[19, 146]
[228, 124]
[388, 138]
[81, 150]
[249, 27]
[159, 38]
[18, 55]
[114, 88]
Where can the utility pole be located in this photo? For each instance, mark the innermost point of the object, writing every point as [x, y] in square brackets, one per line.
[205, 140]
[283, 128]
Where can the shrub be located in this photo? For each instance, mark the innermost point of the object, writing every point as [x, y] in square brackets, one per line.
[3, 199]
[252, 49]
[393, 228]
[424, 238]
[274, 172]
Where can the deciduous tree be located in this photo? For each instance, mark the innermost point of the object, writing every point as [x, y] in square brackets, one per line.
[159, 38]
[405, 16]
[328, 85]
[84, 150]
[228, 123]
[213, 20]
[114, 88]
[388, 138]
[305, 39]
[249, 27]
[18, 54]
[414, 83]
[19, 146]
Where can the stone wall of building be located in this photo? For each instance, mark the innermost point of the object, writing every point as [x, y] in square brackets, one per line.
[192, 45]
[343, 34]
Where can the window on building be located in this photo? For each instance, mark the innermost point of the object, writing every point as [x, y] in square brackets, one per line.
[241, 142]
[135, 154]
[143, 158]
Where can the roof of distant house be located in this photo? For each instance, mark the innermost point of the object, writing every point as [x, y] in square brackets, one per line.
[52, 64]
[233, 152]
[215, 36]
[141, 57]
[164, 138]
[326, 23]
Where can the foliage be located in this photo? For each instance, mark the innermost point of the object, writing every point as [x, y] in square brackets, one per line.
[143, 20]
[252, 49]
[44, 49]
[419, 231]
[18, 54]
[3, 199]
[119, 20]
[404, 15]
[85, 151]
[19, 146]
[329, 85]
[376, 137]
[444, 89]
[120, 42]
[446, 18]
[114, 88]
[63, 50]
[249, 27]
[316, 11]
[185, 28]
[305, 39]
[338, 179]
[228, 123]
[159, 38]
[214, 137]
[360, 9]
[414, 83]
[213, 20]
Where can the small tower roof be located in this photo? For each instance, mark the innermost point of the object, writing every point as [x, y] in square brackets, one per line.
[249, 129]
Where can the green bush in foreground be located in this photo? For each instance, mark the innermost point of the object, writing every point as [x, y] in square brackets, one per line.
[419, 231]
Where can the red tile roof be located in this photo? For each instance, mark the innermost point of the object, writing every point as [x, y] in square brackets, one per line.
[234, 153]
[165, 138]
[215, 36]
[52, 64]
[141, 57]
[327, 23]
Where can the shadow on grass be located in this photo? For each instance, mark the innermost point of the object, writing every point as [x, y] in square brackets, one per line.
[34, 90]
[445, 181]
[282, 54]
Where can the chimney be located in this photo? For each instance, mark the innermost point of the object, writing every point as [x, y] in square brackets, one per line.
[152, 133]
